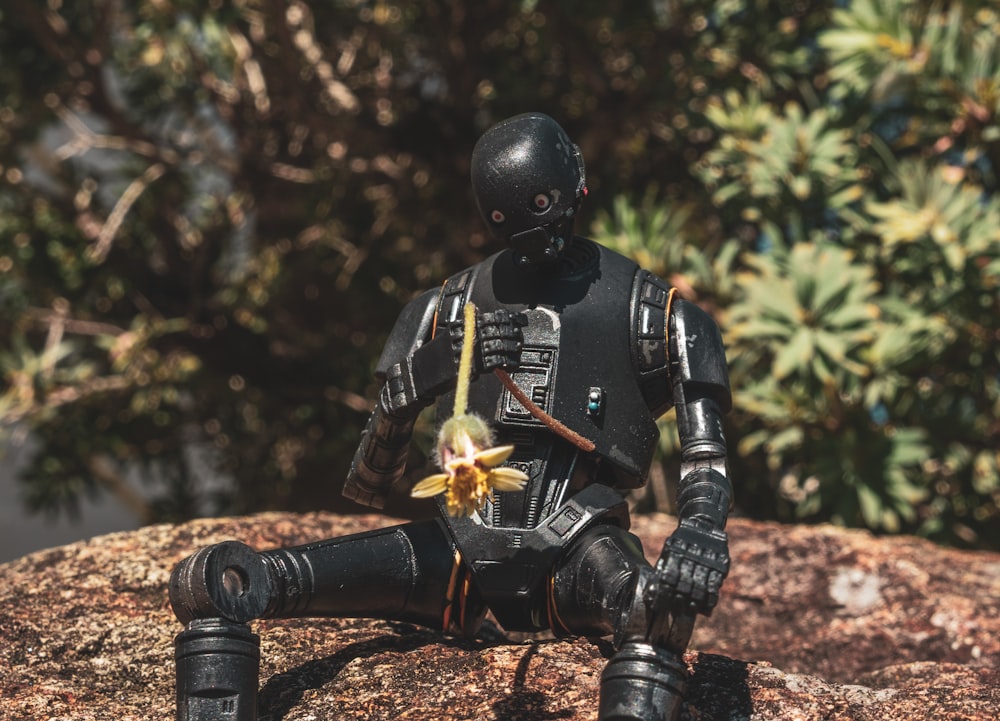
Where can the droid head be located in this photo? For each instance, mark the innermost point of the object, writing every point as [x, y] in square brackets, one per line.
[528, 179]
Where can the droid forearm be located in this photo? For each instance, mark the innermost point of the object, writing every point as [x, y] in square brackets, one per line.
[410, 386]
[704, 493]
[380, 459]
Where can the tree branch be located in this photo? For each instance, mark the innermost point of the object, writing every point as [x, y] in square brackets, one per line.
[99, 250]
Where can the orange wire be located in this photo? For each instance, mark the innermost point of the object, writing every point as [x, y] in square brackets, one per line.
[437, 307]
[450, 593]
[666, 317]
[553, 612]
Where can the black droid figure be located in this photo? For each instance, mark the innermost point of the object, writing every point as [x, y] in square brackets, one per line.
[577, 351]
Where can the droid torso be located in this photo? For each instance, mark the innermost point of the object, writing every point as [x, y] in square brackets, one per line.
[584, 363]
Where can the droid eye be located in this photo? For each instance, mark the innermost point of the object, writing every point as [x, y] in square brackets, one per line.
[542, 201]
[497, 217]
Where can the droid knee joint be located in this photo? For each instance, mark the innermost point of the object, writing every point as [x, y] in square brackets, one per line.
[227, 580]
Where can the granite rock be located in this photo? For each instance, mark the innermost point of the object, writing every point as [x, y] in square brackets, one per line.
[814, 623]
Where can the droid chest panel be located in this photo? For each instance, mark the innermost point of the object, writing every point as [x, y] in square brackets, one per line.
[536, 375]
[576, 363]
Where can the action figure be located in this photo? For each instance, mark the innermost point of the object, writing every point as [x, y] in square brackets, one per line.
[575, 352]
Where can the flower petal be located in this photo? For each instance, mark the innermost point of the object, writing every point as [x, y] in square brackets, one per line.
[458, 462]
[490, 457]
[430, 486]
[508, 479]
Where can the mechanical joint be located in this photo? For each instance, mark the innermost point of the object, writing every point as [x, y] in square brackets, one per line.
[704, 496]
[228, 580]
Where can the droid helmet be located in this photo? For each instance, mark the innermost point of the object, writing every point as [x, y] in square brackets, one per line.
[528, 179]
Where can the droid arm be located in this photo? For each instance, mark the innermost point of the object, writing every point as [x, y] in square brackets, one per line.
[380, 459]
[695, 559]
[701, 397]
[414, 368]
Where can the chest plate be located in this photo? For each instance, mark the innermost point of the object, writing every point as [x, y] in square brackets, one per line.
[577, 346]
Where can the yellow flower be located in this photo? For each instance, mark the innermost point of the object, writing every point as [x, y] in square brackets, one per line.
[464, 448]
[470, 474]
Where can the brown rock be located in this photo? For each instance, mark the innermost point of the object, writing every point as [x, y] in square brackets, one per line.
[860, 628]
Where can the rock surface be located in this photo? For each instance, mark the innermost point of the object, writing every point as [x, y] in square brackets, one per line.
[815, 623]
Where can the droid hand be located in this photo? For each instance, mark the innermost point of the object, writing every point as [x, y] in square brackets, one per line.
[691, 569]
[499, 340]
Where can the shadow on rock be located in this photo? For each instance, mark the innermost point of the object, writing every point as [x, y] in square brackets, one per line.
[283, 691]
[719, 690]
[522, 704]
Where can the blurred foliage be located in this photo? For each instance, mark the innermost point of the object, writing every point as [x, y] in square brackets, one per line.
[211, 213]
[854, 212]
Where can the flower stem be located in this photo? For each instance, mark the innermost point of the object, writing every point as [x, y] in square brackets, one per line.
[465, 361]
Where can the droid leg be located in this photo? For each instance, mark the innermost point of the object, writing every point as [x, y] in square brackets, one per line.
[218, 663]
[647, 678]
[406, 573]
[598, 589]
